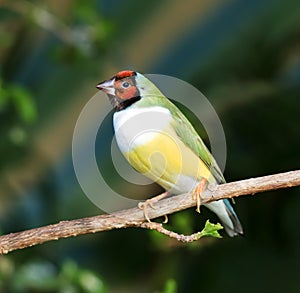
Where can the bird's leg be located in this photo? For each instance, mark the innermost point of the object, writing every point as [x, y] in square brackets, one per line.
[196, 193]
[149, 202]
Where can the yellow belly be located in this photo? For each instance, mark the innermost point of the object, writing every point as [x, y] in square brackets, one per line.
[166, 159]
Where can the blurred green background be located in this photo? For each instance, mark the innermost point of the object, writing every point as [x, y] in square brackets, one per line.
[243, 55]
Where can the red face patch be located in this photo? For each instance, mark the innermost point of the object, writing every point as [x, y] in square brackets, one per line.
[126, 88]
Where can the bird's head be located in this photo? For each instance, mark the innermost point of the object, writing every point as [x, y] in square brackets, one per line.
[126, 88]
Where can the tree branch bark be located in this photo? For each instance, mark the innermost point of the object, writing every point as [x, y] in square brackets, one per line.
[134, 217]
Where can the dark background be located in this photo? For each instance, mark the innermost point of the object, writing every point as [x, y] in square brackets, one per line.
[243, 55]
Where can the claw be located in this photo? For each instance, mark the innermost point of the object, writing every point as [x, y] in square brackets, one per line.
[166, 219]
[143, 206]
[149, 202]
[196, 193]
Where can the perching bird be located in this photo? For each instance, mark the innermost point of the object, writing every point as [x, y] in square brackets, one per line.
[159, 142]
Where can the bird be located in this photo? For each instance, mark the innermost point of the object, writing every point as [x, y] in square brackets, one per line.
[158, 141]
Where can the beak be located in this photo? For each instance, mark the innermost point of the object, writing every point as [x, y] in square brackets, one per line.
[107, 86]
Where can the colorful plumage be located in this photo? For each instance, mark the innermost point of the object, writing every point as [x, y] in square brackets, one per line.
[159, 142]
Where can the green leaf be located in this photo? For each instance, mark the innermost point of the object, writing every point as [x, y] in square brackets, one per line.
[211, 230]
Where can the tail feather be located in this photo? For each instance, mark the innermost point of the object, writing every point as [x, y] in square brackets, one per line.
[228, 217]
[236, 227]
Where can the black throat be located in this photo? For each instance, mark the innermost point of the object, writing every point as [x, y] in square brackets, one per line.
[119, 104]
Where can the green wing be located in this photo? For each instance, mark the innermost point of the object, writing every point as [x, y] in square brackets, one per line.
[191, 138]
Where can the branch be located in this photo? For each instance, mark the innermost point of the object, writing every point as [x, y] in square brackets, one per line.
[134, 217]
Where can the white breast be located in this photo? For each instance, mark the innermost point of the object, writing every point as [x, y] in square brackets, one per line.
[137, 126]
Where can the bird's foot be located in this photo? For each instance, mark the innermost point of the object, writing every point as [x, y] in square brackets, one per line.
[150, 202]
[196, 193]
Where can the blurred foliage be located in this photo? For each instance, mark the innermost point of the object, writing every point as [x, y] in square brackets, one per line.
[170, 287]
[43, 276]
[21, 100]
[17, 113]
[245, 57]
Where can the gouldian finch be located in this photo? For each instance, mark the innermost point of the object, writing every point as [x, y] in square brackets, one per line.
[159, 142]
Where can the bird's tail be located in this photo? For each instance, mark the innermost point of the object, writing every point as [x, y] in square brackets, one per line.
[227, 215]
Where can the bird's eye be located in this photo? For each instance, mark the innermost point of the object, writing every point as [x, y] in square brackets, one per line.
[125, 84]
